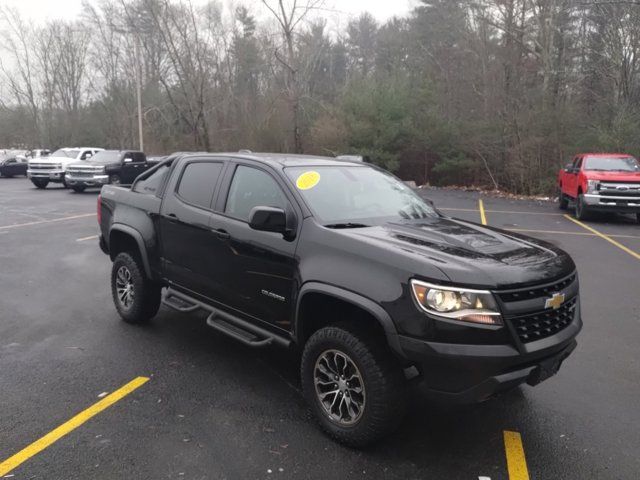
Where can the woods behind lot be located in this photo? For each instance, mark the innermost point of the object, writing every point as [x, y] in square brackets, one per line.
[491, 92]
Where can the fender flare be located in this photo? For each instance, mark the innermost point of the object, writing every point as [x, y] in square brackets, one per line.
[137, 236]
[379, 313]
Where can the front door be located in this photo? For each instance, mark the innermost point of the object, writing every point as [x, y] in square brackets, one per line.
[187, 240]
[133, 165]
[259, 278]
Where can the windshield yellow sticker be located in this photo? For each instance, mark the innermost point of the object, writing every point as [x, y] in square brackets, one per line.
[308, 180]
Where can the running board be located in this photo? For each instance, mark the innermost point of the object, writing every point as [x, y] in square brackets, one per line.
[223, 322]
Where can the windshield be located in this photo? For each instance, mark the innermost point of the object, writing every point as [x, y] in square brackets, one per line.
[352, 196]
[106, 156]
[65, 152]
[612, 164]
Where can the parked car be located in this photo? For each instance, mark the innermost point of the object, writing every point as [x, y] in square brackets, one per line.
[344, 262]
[12, 165]
[604, 182]
[113, 167]
[43, 170]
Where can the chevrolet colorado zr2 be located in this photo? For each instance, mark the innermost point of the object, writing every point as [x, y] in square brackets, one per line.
[342, 262]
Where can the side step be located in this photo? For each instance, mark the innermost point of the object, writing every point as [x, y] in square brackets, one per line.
[235, 327]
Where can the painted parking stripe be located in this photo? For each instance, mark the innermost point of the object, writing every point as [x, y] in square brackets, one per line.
[561, 232]
[39, 222]
[53, 436]
[500, 211]
[483, 216]
[84, 239]
[516, 462]
[605, 237]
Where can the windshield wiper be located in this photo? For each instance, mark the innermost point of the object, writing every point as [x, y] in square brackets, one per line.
[346, 225]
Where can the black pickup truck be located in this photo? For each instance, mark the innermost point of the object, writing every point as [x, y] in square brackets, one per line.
[344, 263]
[113, 167]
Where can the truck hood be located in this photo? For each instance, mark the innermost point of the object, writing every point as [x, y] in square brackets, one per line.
[64, 160]
[612, 176]
[468, 253]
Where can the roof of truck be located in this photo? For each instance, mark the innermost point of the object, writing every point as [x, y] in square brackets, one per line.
[289, 159]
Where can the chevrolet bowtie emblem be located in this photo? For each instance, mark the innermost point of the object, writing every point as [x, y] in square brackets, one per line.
[555, 302]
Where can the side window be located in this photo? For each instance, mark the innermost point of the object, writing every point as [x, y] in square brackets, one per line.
[138, 157]
[198, 181]
[252, 188]
[153, 182]
[578, 163]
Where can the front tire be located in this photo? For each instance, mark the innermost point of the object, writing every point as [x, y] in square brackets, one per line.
[135, 296]
[114, 179]
[582, 211]
[41, 184]
[353, 384]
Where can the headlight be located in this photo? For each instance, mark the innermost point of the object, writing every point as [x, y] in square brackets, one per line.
[476, 306]
[593, 186]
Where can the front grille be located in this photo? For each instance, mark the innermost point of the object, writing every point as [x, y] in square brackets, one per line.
[543, 324]
[81, 174]
[41, 166]
[619, 189]
[536, 292]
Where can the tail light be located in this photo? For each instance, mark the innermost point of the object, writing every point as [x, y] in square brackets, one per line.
[99, 209]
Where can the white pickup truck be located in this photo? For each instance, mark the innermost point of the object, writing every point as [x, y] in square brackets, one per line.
[53, 168]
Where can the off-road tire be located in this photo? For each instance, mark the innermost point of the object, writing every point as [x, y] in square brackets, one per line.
[146, 293]
[582, 211]
[563, 201]
[78, 189]
[383, 380]
[41, 184]
[115, 180]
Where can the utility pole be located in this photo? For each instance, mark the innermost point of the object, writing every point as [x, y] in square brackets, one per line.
[139, 89]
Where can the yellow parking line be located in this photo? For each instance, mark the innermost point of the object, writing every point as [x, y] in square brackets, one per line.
[561, 232]
[55, 435]
[516, 462]
[83, 239]
[606, 237]
[483, 217]
[500, 211]
[38, 222]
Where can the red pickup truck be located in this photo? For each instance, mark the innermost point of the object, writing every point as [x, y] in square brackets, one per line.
[605, 182]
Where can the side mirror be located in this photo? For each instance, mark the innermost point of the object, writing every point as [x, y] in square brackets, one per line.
[128, 160]
[268, 219]
[568, 168]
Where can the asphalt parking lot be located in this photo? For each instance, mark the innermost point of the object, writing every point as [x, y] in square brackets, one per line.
[214, 409]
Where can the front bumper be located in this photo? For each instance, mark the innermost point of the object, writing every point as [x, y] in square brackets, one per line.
[92, 181]
[56, 176]
[609, 203]
[461, 373]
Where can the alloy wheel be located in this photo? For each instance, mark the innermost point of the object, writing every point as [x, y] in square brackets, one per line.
[339, 387]
[124, 288]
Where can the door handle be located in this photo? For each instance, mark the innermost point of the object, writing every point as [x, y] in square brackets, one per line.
[222, 234]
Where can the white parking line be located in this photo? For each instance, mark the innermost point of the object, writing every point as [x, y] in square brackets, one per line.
[84, 239]
[39, 222]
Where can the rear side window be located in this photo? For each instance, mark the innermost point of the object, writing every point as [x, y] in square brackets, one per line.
[198, 183]
[252, 188]
[153, 181]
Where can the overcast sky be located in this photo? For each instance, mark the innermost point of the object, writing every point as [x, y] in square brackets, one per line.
[40, 10]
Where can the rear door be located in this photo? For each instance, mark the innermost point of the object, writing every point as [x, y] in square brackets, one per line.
[187, 241]
[260, 270]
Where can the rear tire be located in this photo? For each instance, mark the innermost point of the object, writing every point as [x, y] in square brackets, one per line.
[135, 296]
[582, 211]
[563, 201]
[78, 189]
[362, 361]
[638, 217]
[40, 183]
